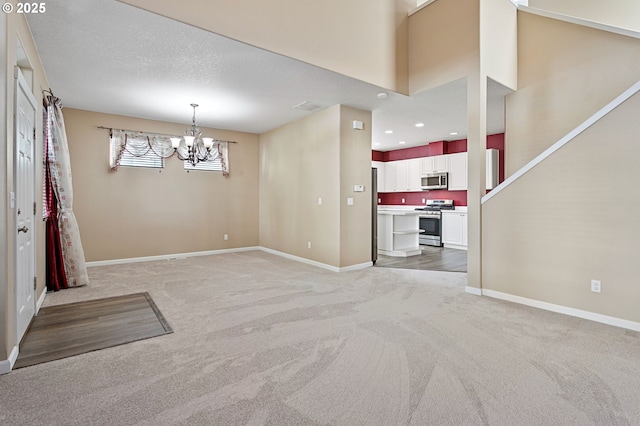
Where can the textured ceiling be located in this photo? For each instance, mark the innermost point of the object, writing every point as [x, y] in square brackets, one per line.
[102, 55]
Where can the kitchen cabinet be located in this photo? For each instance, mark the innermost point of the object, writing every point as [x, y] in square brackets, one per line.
[415, 174]
[380, 166]
[458, 171]
[402, 175]
[435, 164]
[454, 229]
[390, 176]
[398, 232]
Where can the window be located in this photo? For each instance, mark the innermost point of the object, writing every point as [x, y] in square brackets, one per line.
[136, 153]
[149, 150]
[213, 163]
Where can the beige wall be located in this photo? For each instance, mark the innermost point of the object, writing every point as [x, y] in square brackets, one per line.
[317, 157]
[566, 73]
[363, 39]
[355, 169]
[545, 237]
[14, 27]
[619, 13]
[499, 41]
[143, 212]
[443, 43]
[299, 163]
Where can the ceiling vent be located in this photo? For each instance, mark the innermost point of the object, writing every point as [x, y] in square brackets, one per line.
[307, 106]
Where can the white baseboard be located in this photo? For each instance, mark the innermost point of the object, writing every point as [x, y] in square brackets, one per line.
[473, 290]
[41, 300]
[592, 316]
[318, 264]
[7, 364]
[168, 256]
[233, 250]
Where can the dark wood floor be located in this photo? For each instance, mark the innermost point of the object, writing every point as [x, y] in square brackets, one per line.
[74, 328]
[432, 259]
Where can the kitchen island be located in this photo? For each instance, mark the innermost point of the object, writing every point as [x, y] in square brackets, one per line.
[398, 232]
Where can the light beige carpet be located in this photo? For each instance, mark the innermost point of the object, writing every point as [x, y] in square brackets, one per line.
[259, 339]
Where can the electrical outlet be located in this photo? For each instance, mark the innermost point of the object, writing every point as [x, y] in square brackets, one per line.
[319, 201]
[226, 237]
[308, 244]
[403, 201]
[596, 286]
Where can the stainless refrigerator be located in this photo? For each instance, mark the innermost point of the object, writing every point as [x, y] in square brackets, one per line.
[374, 215]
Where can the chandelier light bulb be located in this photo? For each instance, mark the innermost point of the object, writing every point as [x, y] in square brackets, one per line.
[188, 140]
[208, 142]
[175, 142]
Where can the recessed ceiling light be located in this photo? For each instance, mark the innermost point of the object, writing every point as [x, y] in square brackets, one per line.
[382, 95]
[388, 131]
[402, 142]
[419, 124]
[453, 133]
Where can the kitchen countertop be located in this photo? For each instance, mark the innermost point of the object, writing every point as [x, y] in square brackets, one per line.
[462, 209]
[398, 212]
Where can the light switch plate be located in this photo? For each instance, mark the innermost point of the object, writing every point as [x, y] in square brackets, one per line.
[349, 201]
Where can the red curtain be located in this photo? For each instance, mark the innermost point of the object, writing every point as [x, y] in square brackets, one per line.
[56, 276]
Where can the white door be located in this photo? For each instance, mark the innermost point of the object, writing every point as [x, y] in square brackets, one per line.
[25, 116]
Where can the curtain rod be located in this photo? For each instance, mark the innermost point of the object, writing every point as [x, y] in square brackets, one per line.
[151, 133]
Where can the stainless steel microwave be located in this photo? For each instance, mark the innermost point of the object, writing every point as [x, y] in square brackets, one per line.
[434, 181]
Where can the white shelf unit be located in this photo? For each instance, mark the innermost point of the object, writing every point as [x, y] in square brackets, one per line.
[398, 233]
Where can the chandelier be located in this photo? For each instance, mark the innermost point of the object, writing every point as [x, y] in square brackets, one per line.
[192, 146]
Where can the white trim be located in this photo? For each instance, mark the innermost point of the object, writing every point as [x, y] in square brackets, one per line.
[41, 301]
[317, 264]
[168, 256]
[566, 139]
[473, 290]
[7, 365]
[234, 250]
[356, 267]
[579, 21]
[591, 316]
[422, 6]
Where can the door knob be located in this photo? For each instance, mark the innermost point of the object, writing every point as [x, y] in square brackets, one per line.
[23, 229]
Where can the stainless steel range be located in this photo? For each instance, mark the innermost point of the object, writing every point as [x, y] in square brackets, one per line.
[431, 221]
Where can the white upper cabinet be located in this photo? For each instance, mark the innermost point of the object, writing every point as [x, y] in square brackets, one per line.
[402, 176]
[458, 171]
[435, 164]
[415, 174]
[390, 176]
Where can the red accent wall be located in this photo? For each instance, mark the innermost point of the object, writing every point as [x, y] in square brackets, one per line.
[435, 148]
[415, 198]
[377, 156]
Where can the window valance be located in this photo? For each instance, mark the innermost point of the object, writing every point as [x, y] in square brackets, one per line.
[151, 147]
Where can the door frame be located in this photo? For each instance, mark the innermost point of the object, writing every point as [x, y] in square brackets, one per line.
[22, 85]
